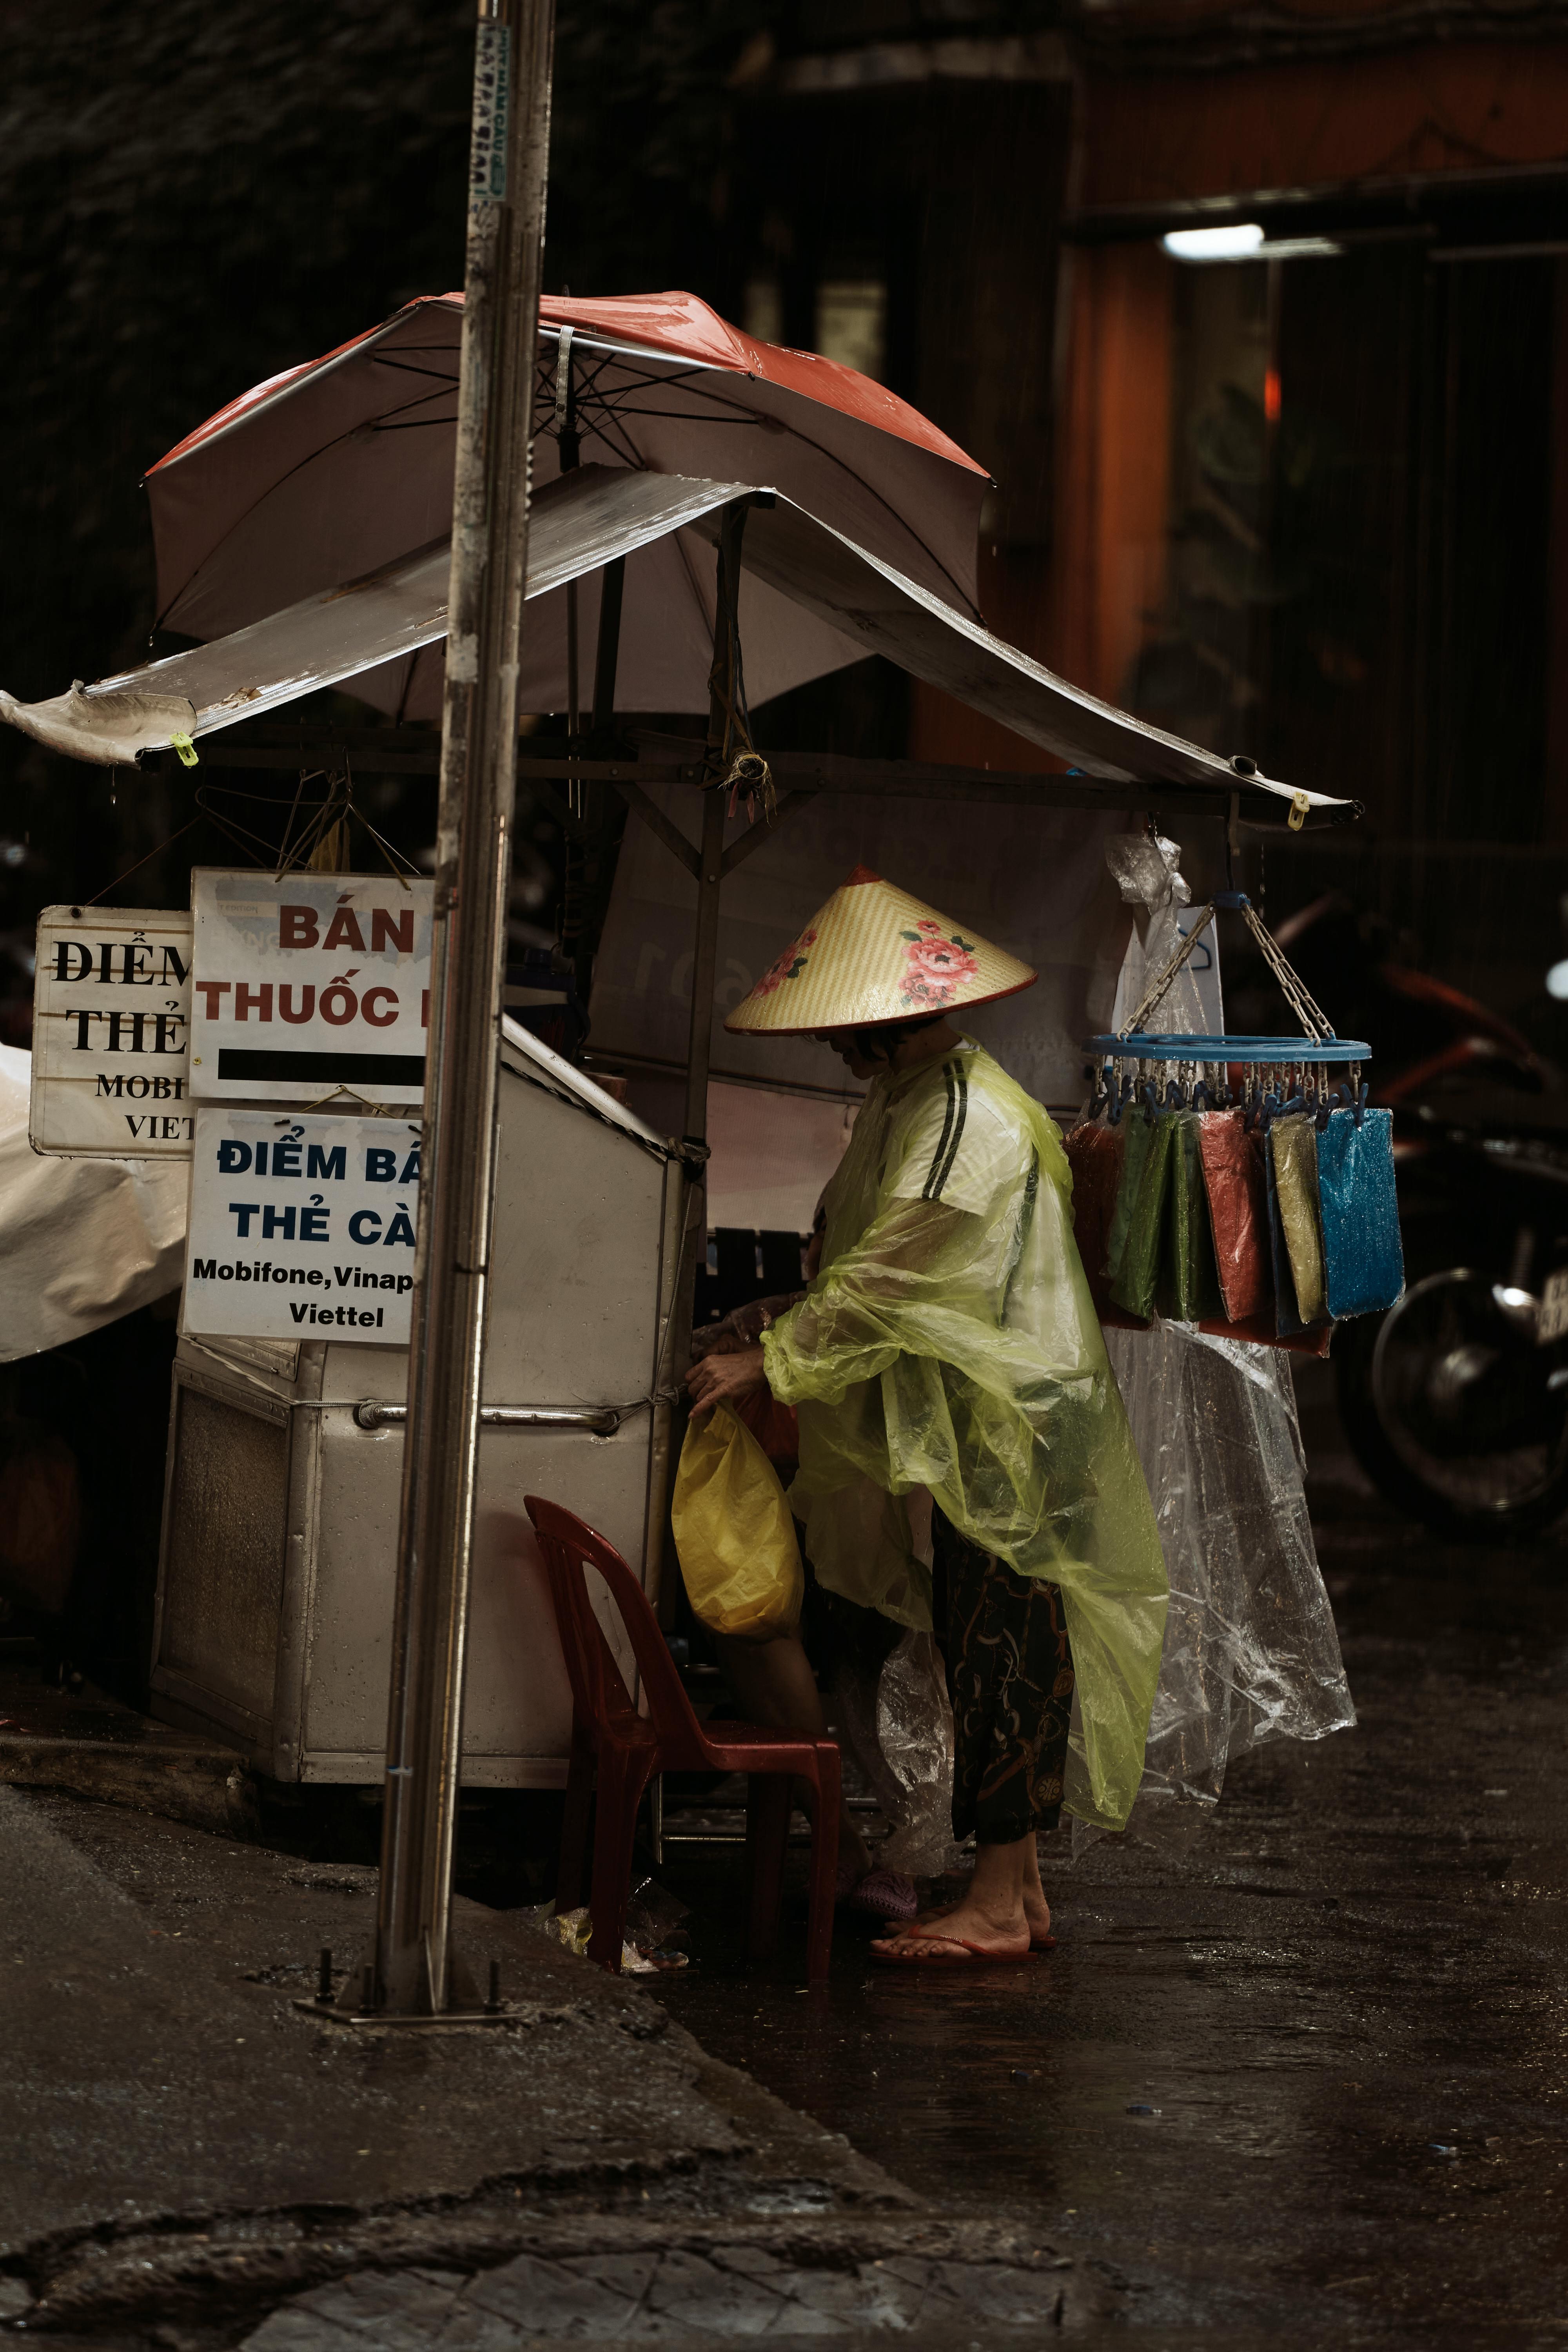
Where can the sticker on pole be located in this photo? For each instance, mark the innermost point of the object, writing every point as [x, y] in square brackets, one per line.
[111, 1013]
[310, 983]
[492, 108]
[301, 1228]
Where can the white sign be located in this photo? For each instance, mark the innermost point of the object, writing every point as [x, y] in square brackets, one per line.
[315, 981]
[111, 1015]
[301, 1227]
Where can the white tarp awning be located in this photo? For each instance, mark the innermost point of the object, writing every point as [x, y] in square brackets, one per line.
[808, 589]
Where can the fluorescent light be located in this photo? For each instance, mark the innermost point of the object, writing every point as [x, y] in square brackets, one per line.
[1557, 982]
[1237, 243]
[1297, 248]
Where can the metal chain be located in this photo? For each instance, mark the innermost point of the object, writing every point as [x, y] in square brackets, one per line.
[1314, 1021]
[1152, 997]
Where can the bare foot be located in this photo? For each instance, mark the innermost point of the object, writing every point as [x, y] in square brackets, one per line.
[1036, 1911]
[965, 1927]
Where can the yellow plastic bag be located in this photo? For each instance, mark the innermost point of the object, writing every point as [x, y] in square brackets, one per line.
[734, 1534]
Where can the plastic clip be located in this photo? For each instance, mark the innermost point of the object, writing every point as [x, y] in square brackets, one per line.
[1301, 805]
[186, 748]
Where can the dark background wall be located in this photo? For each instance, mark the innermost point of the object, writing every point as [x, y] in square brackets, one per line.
[193, 199]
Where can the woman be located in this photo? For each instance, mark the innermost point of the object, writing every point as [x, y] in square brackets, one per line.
[948, 1342]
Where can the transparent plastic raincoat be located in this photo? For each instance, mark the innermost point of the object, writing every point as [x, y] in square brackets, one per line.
[948, 1341]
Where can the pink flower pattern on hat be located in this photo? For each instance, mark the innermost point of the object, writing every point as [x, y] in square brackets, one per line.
[790, 965]
[936, 964]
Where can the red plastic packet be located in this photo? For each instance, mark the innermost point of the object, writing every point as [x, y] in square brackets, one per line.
[1094, 1155]
[1238, 1212]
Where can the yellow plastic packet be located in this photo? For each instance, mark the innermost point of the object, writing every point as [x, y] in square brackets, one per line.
[734, 1534]
[1294, 1143]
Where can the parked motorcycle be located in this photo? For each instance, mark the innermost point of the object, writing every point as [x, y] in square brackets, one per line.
[1455, 1401]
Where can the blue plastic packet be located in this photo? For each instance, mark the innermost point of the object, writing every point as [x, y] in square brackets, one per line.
[1363, 1259]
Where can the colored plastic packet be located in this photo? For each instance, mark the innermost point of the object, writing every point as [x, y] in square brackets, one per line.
[1094, 1155]
[1137, 1277]
[1238, 1215]
[1293, 1150]
[1189, 1285]
[1286, 1319]
[1136, 1134]
[1364, 1262]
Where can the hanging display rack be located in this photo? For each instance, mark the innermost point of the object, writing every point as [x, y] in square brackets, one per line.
[1171, 1070]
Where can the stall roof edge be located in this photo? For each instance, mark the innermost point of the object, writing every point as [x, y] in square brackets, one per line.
[583, 521]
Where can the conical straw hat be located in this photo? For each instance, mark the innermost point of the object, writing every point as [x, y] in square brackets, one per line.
[874, 954]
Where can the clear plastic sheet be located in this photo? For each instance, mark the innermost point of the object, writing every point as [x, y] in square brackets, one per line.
[914, 1731]
[1148, 873]
[1251, 1651]
[898, 1727]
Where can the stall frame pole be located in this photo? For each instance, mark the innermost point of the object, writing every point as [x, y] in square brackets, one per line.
[709, 863]
[414, 1973]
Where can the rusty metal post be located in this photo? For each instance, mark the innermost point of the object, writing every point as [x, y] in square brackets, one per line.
[414, 1974]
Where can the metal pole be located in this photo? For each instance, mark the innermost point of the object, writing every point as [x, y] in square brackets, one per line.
[721, 718]
[704, 962]
[414, 1974]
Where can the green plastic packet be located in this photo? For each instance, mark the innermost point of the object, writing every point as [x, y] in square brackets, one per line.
[1189, 1288]
[1137, 1276]
[1135, 1133]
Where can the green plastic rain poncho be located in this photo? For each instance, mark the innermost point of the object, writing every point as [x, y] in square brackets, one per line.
[948, 1341]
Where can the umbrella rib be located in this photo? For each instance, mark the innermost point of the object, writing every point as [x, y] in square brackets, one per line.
[624, 444]
[262, 496]
[440, 375]
[642, 381]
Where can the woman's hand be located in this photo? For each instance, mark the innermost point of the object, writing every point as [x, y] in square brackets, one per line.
[722, 1379]
[744, 1326]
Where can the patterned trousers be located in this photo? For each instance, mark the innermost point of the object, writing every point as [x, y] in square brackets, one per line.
[1010, 1678]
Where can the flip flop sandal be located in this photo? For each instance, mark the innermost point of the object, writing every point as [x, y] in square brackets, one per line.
[960, 1953]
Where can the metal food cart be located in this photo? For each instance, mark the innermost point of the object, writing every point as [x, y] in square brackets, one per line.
[274, 1610]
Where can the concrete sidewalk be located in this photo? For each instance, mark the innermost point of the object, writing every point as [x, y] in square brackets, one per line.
[183, 2150]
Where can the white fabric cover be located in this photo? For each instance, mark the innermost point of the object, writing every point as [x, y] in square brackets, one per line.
[81, 1241]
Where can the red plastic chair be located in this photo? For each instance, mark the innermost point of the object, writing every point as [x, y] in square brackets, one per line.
[629, 1748]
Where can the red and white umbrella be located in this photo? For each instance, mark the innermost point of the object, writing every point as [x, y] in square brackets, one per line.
[338, 467]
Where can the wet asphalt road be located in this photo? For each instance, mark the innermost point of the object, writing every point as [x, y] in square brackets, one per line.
[1296, 2073]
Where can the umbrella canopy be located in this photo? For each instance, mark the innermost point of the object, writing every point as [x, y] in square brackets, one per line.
[343, 465]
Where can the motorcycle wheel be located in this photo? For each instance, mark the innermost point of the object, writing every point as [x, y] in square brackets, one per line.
[1447, 1404]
